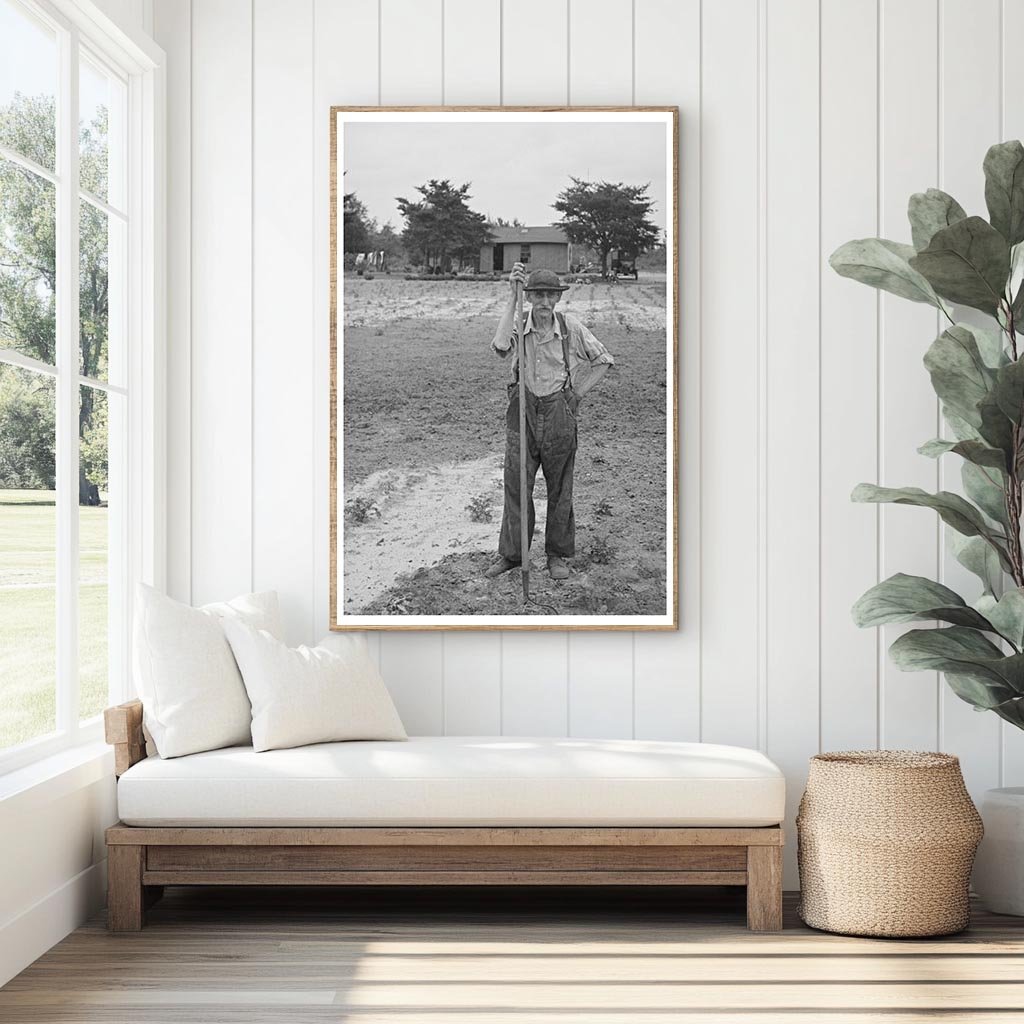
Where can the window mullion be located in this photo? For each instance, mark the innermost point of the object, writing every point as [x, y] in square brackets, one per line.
[67, 386]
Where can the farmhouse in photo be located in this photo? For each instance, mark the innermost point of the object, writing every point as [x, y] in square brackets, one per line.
[541, 247]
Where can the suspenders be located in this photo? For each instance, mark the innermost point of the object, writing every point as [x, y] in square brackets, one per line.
[565, 351]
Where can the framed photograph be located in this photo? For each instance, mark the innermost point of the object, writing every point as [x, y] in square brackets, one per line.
[504, 318]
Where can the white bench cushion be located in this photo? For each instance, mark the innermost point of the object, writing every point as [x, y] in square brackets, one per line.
[459, 780]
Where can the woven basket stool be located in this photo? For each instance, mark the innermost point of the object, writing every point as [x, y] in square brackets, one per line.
[885, 843]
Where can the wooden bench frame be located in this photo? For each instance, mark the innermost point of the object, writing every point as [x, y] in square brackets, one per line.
[142, 860]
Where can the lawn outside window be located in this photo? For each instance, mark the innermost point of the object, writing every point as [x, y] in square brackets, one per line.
[80, 442]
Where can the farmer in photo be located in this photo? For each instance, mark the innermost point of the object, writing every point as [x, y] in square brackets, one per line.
[564, 361]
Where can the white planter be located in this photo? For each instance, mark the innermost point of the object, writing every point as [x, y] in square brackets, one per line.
[999, 866]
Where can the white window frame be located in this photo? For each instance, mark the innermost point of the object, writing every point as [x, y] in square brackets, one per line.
[141, 64]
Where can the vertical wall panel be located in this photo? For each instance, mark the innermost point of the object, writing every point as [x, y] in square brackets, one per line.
[410, 52]
[666, 666]
[344, 53]
[535, 671]
[600, 667]
[1012, 127]
[600, 53]
[173, 30]
[411, 72]
[128, 14]
[729, 387]
[472, 673]
[283, 309]
[472, 684]
[909, 414]
[472, 75]
[221, 529]
[346, 72]
[534, 62]
[472, 52]
[969, 124]
[413, 671]
[792, 384]
[601, 685]
[849, 372]
[535, 666]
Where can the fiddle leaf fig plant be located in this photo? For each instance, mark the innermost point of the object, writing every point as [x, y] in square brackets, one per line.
[978, 375]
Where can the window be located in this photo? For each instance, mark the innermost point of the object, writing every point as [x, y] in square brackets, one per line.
[524, 254]
[73, 394]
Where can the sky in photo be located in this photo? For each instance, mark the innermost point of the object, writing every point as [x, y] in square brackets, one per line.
[516, 169]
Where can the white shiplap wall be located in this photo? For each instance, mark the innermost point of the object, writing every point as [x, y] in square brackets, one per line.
[803, 123]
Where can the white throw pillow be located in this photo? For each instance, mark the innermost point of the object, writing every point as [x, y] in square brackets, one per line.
[192, 693]
[309, 694]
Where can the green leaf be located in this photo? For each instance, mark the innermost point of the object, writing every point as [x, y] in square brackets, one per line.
[944, 650]
[958, 372]
[976, 555]
[1009, 390]
[990, 345]
[1006, 614]
[952, 509]
[985, 487]
[903, 598]
[1004, 189]
[1016, 309]
[973, 451]
[883, 264]
[967, 263]
[1016, 279]
[996, 428]
[930, 212]
[1011, 711]
[964, 652]
[962, 430]
[982, 693]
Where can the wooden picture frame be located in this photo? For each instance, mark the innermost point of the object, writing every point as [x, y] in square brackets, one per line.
[621, 584]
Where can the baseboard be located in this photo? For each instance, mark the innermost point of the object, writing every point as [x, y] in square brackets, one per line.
[28, 936]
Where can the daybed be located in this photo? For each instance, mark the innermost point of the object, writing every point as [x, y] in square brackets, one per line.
[444, 811]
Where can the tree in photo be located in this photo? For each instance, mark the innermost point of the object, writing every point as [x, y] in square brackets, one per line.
[441, 226]
[356, 224]
[28, 276]
[607, 216]
[387, 240]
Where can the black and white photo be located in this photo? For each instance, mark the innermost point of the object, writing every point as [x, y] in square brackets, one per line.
[479, 256]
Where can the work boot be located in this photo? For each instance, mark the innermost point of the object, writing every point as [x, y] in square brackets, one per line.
[557, 568]
[502, 565]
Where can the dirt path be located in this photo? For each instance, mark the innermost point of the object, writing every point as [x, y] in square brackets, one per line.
[418, 542]
[399, 520]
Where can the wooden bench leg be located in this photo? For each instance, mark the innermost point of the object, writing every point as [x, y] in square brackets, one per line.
[764, 888]
[125, 897]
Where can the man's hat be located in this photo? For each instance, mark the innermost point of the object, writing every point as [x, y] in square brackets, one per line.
[545, 281]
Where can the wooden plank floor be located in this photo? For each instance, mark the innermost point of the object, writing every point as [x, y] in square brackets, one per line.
[217, 956]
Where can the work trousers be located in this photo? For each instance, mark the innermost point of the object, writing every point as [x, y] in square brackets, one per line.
[550, 446]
